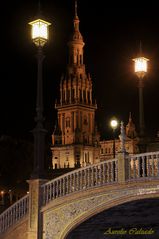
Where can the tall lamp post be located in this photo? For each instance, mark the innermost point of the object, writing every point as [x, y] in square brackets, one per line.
[140, 68]
[114, 124]
[39, 34]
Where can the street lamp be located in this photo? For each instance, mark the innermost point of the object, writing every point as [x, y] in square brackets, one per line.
[114, 124]
[2, 197]
[39, 34]
[140, 68]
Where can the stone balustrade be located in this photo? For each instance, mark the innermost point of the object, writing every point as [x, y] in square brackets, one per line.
[145, 165]
[81, 179]
[14, 213]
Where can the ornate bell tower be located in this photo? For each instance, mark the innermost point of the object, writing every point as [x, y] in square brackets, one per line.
[75, 140]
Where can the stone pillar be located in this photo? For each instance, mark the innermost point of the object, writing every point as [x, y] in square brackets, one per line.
[122, 167]
[35, 227]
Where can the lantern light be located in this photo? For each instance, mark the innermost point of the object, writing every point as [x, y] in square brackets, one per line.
[140, 66]
[40, 33]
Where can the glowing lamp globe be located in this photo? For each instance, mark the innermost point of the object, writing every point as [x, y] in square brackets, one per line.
[140, 66]
[39, 33]
[114, 123]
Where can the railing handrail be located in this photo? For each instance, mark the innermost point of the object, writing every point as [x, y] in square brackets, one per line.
[78, 170]
[13, 205]
[143, 154]
[14, 213]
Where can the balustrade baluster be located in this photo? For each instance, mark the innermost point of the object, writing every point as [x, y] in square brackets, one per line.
[92, 176]
[49, 189]
[134, 167]
[108, 172]
[100, 174]
[22, 206]
[116, 172]
[47, 193]
[50, 192]
[130, 168]
[87, 178]
[74, 182]
[155, 165]
[152, 159]
[16, 212]
[64, 186]
[148, 165]
[4, 223]
[96, 175]
[77, 181]
[70, 184]
[143, 166]
[53, 190]
[139, 167]
[7, 219]
[104, 173]
[44, 195]
[57, 188]
[10, 217]
[111, 171]
[157, 156]
[84, 180]
[60, 187]
[81, 179]
[67, 184]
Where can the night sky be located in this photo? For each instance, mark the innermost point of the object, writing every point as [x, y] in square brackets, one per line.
[112, 35]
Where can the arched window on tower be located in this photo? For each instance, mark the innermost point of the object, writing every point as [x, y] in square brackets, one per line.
[88, 96]
[80, 59]
[68, 122]
[80, 93]
[73, 94]
[84, 95]
[68, 95]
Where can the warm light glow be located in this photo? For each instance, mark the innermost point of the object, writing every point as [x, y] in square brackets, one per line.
[114, 123]
[2, 192]
[39, 31]
[140, 66]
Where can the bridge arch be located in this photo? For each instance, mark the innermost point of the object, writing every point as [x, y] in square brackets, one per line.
[103, 208]
[78, 208]
[105, 220]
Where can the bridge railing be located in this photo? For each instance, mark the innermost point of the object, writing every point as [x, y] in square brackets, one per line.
[14, 213]
[80, 179]
[144, 165]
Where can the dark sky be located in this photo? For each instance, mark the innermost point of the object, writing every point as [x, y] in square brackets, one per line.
[112, 35]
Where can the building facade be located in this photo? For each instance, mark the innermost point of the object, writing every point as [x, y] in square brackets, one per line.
[75, 140]
[131, 143]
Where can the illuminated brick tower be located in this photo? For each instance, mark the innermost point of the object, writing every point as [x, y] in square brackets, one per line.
[75, 140]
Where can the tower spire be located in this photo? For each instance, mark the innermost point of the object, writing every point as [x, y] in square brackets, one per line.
[76, 16]
[130, 117]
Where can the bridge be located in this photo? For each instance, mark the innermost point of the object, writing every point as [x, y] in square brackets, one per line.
[53, 209]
